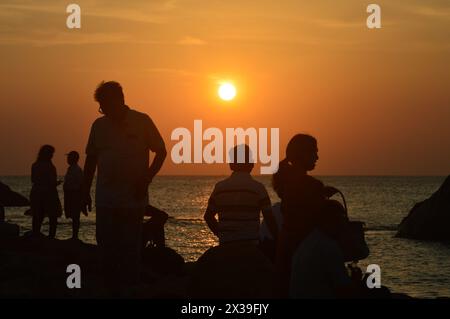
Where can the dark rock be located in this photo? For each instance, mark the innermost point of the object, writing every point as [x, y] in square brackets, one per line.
[8, 230]
[163, 260]
[189, 267]
[9, 198]
[33, 267]
[235, 270]
[430, 219]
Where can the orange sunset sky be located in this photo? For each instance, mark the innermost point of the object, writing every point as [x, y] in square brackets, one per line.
[378, 100]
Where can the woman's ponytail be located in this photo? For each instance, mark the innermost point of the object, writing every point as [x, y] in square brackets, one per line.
[279, 178]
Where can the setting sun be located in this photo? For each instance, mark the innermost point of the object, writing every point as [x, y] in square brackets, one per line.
[227, 91]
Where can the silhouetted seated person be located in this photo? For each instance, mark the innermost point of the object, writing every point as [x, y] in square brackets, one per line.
[238, 201]
[73, 182]
[318, 264]
[153, 234]
[302, 199]
[44, 194]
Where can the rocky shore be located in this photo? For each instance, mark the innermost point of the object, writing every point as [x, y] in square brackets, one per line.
[429, 219]
[37, 268]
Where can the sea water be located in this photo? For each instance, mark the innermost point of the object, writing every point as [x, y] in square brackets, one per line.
[421, 269]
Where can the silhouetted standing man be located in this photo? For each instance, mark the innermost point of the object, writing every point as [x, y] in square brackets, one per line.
[118, 147]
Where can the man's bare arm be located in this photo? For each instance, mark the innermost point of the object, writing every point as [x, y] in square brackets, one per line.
[157, 162]
[143, 183]
[211, 221]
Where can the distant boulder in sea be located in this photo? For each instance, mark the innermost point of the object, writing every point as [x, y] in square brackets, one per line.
[9, 198]
[430, 219]
[233, 271]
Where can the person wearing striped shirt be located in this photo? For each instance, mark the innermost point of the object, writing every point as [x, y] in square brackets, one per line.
[238, 202]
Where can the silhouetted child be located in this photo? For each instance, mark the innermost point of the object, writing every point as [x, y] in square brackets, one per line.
[238, 201]
[73, 182]
[44, 195]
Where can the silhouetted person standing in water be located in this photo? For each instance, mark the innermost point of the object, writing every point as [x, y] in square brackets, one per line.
[44, 195]
[73, 182]
[302, 200]
[118, 147]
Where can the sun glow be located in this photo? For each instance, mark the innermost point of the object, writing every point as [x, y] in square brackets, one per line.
[227, 91]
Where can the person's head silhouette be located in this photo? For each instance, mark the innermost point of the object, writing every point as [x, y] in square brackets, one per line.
[111, 99]
[302, 152]
[46, 153]
[301, 157]
[72, 158]
[241, 159]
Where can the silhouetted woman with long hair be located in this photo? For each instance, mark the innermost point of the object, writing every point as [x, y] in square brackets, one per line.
[44, 194]
[303, 198]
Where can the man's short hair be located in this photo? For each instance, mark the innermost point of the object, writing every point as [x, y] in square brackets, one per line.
[73, 156]
[242, 158]
[110, 90]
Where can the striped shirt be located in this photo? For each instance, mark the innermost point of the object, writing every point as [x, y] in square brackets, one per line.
[239, 200]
